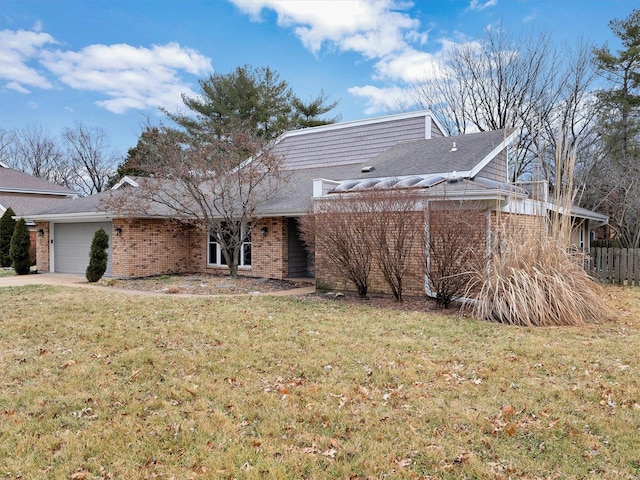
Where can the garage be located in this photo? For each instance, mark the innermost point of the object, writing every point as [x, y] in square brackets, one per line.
[71, 245]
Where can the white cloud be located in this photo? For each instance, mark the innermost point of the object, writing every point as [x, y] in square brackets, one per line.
[478, 5]
[382, 99]
[131, 77]
[128, 76]
[379, 30]
[410, 66]
[370, 27]
[17, 87]
[18, 51]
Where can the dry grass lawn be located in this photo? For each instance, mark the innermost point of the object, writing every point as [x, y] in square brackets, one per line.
[97, 385]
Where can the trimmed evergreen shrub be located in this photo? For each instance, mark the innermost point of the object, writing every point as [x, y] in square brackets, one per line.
[19, 250]
[7, 226]
[98, 256]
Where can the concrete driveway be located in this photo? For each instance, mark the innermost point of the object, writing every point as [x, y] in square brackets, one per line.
[61, 279]
[69, 280]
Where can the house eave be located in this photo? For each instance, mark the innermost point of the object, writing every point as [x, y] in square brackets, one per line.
[71, 217]
[501, 146]
[38, 192]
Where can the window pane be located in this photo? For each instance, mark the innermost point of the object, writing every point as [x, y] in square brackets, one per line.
[213, 253]
[246, 254]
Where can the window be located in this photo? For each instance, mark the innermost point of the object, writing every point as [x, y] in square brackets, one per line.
[215, 256]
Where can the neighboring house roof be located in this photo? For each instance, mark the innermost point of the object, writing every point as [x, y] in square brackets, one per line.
[16, 181]
[25, 193]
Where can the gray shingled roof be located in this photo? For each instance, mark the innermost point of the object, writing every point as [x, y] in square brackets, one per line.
[15, 180]
[413, 158]
[24, 205]
[438, 155]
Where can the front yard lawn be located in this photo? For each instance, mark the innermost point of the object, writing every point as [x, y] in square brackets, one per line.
[101, 385]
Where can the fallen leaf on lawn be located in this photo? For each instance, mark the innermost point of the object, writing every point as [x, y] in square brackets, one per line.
[68, 363]
[507, 411]
[330, 453]
[405, 462]
[464, 457]
[511, 430]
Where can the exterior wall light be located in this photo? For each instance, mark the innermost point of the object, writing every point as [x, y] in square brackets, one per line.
[41, 232]
[118, 231]
[264, 231]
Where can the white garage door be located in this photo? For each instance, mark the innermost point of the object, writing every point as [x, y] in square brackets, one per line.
[71, 245]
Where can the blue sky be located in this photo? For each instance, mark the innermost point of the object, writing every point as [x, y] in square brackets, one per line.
[113, 63]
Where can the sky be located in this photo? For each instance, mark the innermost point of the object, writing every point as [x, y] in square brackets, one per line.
[112, 64]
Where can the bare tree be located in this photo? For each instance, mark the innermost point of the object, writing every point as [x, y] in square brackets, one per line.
[504, 82]
[6, 143]
[91, 164]
[218, 185]
[37, 153]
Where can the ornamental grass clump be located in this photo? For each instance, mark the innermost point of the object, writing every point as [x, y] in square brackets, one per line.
[534, 275]
[537, 282]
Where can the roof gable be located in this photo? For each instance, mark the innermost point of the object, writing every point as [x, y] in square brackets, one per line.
[351, 142]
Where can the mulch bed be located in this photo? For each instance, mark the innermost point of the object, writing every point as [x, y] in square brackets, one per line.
[210, 284]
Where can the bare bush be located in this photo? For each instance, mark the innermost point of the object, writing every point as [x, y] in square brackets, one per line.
[398, 236]
[341, 231]
[359, 232]
[454, 235]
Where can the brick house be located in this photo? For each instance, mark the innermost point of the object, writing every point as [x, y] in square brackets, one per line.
[406, 150]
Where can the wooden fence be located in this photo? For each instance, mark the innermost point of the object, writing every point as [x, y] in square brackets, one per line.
[616, 265]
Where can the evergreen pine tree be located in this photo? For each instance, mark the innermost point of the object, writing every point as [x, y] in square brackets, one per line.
[98, 256]
[19, 249]
[7, 226]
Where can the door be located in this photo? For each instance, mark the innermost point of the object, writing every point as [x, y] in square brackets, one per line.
[71, 245]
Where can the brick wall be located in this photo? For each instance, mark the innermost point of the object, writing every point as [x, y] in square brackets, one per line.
[330, 277]
[42, 247]
[150, 247]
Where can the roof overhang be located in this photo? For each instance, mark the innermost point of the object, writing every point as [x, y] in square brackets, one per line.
[579, 212]
[68, 194]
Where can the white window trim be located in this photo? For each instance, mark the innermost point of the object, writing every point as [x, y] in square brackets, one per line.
[219, 264]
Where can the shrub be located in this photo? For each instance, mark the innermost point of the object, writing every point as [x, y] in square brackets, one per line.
[7, 226]
[19, 249]
[98, 256]
[455, 231]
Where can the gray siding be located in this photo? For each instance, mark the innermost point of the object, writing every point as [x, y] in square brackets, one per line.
[435, 131]
[351, 144]
[71, 245]
[496, 169]
[298, 257]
